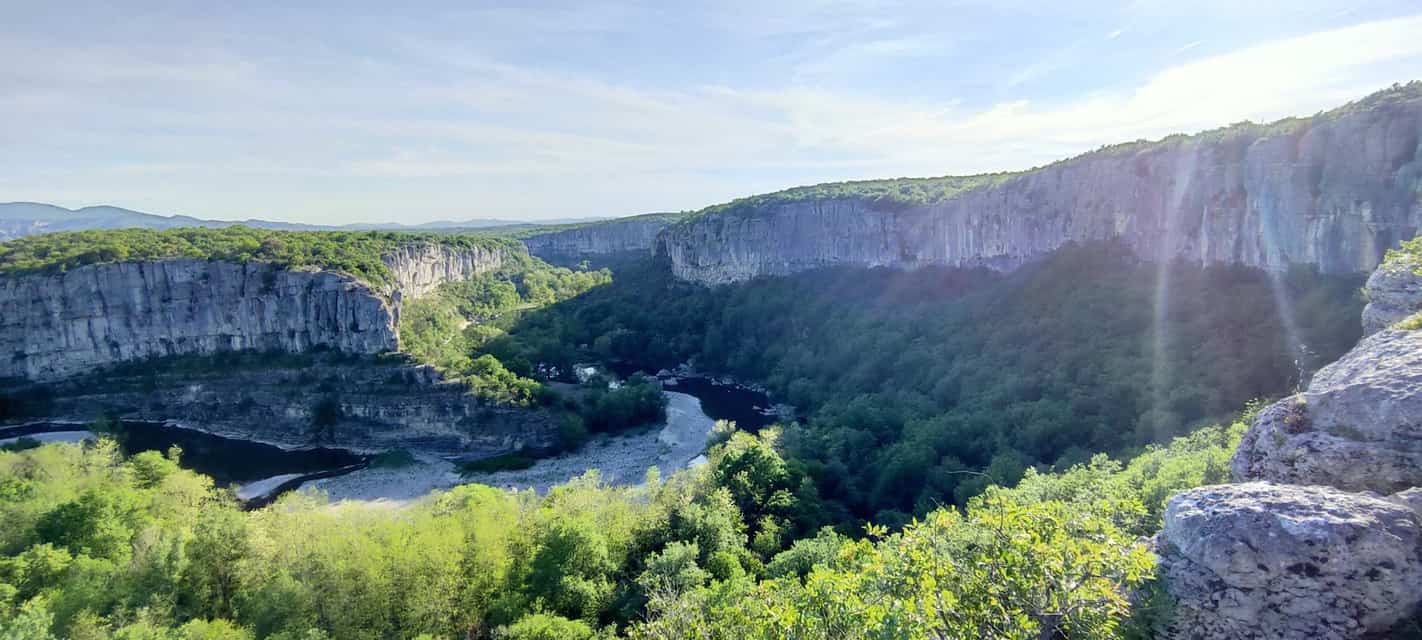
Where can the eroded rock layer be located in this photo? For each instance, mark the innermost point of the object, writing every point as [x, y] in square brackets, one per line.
[1334, 191]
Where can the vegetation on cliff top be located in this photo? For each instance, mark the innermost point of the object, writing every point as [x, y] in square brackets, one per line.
[357, 253]
[1410, 251]
[526, 231]
[96, 546]
[899, 193]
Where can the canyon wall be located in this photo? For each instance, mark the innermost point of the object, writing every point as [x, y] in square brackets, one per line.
[53, 326]
[417, 269]
[374, 404]
[1336, 190]
[627, 235]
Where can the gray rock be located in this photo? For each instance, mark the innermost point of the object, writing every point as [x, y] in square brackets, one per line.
[1258, 560]
[416, 269]
[1411, 498]
[1336, 192]
[382, 405]
[626, 235]
[1357, 427]
[1394, 292]
[54, 326]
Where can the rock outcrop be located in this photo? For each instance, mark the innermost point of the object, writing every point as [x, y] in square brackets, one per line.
[636, 234]
[1394, 292]
[1358, 426]
[1336, 191]
[1306, 548]
[365, 404]
[53, 326]
[1265, 561]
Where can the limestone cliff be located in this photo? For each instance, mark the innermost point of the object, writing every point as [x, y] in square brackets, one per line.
[374, 404]
[53, 326]
[636, 234]
[1335, 190]
[418, 268]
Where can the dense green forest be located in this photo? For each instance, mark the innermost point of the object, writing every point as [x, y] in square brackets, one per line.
[908, 379]
[355, 252]
[445, 329]
[97, 545]
[449, 328]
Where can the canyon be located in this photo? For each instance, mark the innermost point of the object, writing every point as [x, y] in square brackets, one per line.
[1335, 191]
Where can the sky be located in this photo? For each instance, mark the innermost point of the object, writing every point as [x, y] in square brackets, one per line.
[344, 112]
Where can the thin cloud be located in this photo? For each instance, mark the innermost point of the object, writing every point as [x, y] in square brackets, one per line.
[474, 134]
[1187, 47]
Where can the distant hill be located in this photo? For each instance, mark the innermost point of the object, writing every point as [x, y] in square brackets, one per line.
[19, 219]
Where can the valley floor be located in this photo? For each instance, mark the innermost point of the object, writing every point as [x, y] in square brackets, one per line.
[620, 460]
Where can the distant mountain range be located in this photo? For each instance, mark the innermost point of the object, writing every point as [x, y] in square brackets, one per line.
[18, 219]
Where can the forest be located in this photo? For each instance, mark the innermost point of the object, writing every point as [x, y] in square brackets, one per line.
[102, 545]
[977, 455]
[904, 380]
[354, 252]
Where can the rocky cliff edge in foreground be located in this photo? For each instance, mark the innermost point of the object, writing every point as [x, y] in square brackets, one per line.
[1307, 546]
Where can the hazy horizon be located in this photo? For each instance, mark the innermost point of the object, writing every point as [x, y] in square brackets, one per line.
[357, 113]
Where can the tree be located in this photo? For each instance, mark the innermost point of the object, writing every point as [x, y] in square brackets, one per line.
[542, 626]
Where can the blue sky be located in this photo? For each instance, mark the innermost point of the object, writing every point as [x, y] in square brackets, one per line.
[364, 112]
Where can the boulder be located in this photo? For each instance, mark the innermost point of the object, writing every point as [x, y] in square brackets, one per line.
[1260, 560]
[1394, 292]
[1357, 427]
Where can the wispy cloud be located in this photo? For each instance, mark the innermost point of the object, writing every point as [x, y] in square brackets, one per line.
[1187, 47]
[435, 128]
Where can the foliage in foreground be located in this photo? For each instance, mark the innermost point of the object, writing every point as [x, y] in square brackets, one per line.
[98, 546]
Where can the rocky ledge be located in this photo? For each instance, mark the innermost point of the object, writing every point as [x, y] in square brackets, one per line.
[1394, 293]
[1262, 561]
[1306, 547]
[1357, 427]
[361, 403]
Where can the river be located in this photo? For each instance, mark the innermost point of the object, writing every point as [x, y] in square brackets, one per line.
[694, 404]
[255, 470]
[259, 472]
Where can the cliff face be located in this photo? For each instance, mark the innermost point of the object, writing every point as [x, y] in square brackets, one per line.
[1335, 191]
[616, 236]
[53, 326]
[417, 269]
[378, 406]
